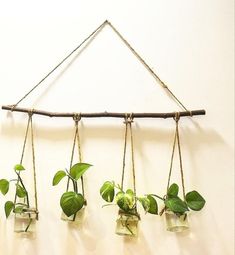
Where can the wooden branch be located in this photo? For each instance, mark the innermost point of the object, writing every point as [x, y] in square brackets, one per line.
[103, 114]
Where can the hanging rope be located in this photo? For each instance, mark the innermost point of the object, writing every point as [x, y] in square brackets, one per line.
[124, 153]
[60, 63]
[180, 155]
[23, 150]
[77, 118]
[177, 140]
[128, 123]
[171, 164]
[92, 35]
[144, 63]
[30, 127]
[34, 165]
[132, 158]
[72, 155]
[25, 139]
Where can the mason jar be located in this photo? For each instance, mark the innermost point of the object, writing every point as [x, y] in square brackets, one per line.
[25, 221]
[127, 224]
[176, 223]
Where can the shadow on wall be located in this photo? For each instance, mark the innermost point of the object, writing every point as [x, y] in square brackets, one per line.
[86, 236]
[196, 241]
[97, 132]
[130, 245]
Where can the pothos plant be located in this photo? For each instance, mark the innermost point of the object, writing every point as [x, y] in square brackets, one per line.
[21, 192]
[193, 200]
[72, 201]
[126, 200]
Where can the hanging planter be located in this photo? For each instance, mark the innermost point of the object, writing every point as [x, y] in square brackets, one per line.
[128, 216]
[176, 222]
[25, 220]
[176, 209]
[127, 223]
[72, 202]
[25, 214]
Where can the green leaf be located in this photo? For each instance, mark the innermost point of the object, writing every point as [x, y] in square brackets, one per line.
[20, 191]
[153, 207]
[19, 167]
[107, 191]
[195, 201]
[119, 195]
[9, 205]
[173, 190]
[126, 201]
[71, 202]
[78, 170]
[176, 205]
[58, 177]
[130, 193]
[145, 203]
[19, 209]
[4, 186]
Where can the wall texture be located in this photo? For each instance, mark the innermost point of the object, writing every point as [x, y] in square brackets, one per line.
[189, 44]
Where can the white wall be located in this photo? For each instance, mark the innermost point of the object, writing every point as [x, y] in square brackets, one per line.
[190, 46]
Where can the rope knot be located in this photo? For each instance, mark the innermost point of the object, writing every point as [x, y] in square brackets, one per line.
[164, 85]
[77, 117]
[191, 114]
[30, 112]
[13, 107]
[177, 116]
[128, 118]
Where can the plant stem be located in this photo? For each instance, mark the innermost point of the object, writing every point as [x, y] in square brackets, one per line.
[13, 180]
[118, 187]
[21, 181]
[75, 187]
[107, 205]
[70, 177]
[30, 221]
[157, 197]
[128, 228]
[162, 211]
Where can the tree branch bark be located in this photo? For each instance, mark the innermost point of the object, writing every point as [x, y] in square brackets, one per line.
[103, 114]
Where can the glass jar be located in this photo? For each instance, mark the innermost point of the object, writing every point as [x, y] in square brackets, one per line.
[76, 219]
[25, 221]
[127, 224]
[176, 223]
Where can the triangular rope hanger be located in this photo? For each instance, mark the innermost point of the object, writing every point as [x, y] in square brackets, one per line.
[186, 112]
